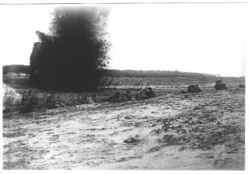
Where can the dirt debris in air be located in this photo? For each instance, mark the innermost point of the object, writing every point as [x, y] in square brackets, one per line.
[200, 131]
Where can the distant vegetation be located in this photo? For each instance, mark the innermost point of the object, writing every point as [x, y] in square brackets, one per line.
[151, 73]
[117, 73]
[111, 73]
[16, 69]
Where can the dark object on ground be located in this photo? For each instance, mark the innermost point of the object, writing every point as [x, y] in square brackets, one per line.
[183, 92]
[193, 89]
[219, 85]
[197, 108]
[131, 140]
[149, 92]
[145, 94]
[241, 86]
[128, 95]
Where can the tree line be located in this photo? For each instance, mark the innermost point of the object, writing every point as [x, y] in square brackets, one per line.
[152, 73]
[117, 73]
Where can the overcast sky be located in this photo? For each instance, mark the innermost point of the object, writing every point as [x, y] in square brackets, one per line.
[206, 38]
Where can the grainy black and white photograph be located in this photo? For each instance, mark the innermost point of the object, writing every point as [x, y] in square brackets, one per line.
[123, 85]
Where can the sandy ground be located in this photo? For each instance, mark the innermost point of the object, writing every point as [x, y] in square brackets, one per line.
[202, 131]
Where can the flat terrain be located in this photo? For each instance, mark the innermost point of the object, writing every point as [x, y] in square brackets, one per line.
[204, 131]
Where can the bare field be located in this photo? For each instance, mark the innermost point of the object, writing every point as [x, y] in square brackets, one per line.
[204, 131]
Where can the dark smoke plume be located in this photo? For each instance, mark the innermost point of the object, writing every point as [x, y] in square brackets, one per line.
[74, 55]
